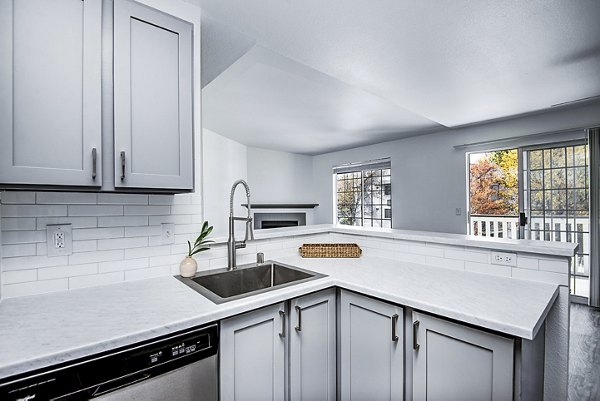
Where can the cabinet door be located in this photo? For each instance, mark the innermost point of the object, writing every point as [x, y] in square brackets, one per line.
[455, 362]
[152, 98]
[372, 349]
[50, 100]
[252, 355]
[313, 347]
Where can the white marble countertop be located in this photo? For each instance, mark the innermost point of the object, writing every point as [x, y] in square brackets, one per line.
[44, 330]
[501, 244]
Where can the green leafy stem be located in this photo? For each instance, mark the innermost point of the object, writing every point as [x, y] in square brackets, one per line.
[201, 243]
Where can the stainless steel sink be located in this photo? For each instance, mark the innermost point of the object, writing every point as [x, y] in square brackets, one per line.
[222, 285]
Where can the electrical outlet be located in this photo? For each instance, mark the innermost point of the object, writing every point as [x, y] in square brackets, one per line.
[59, 239]
[167, 233]
[458, 211]
[504, 258]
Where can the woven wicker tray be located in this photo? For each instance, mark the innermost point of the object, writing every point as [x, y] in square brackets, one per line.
[330, 251]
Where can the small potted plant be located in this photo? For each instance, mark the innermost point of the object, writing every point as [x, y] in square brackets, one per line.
[188, 266]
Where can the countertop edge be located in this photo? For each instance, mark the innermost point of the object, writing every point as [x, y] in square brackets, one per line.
[22, 366]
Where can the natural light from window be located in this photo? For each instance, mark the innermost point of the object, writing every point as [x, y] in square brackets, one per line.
[364, 194]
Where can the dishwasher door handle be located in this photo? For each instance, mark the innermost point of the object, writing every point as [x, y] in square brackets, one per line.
[120, 382]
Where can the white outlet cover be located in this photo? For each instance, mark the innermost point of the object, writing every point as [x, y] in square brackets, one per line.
[504, 258]
[59, 233]
[167, 235]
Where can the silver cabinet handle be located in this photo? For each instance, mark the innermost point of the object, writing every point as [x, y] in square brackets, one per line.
[122, 165]
[415, 333]
[94, 159]
[282, 316]
[299, 312]
[394, 324]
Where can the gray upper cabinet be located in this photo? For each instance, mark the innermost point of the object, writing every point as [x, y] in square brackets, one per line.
[252, 355]
[372, 349]
[455, 362]
[312, 344]
[50, 92]
[153, 118]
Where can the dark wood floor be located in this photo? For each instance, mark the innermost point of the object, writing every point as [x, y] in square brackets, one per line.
[584, 357]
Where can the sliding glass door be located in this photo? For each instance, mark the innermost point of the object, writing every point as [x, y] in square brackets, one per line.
[557, 197]
[538, 193]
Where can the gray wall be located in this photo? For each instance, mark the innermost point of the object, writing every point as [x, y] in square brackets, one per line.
[224, 161]
[429, 175]
[280, 177]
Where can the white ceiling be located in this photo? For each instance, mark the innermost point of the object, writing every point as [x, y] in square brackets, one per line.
[436, 61]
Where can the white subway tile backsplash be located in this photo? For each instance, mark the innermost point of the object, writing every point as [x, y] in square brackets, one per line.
[122, 243]
[182, 199]
[525, 262]
[161, 199]
[143, 231]
[85, 246]
[33, 210]
[445, 263]
[19, 276]
[180, 219]
[410, 257]
[48, 273]
[185, 209]
[543, 276]
[117, 237]
[33, 262]
[97, 256]
[18, 223]
[35, 287]
[149, 272]
[422, 249]
[20, 197]
[98, 233]
[76, 222]
[188, 229]
[95, 280]
[122, 221]
[165, 260]
[122, 265]
[122, 199]
[136, 253]
[10, 251]
[554, 265]
[146, 210]
[95, 210]
[485, 268]
[66, 198]
[23, 237]
[41, 248]
[461, 253]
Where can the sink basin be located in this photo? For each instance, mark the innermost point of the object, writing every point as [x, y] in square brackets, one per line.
[222, 285]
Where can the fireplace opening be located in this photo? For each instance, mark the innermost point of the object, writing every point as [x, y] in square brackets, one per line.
[278, 223]
[278, 220]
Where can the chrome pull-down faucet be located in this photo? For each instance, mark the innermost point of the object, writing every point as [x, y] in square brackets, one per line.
[232, 244]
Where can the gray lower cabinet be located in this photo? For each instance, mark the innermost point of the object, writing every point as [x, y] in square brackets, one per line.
[252, 355]
[371, 349]
[312, 347]
[153, 118]
[50, 92]
[456, 362]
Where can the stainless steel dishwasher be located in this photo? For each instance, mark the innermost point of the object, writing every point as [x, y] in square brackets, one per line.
[178, 367]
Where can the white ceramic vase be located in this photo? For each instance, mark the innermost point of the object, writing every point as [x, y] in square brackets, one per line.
[188, 267]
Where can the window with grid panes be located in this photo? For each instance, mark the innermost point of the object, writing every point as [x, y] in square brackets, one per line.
[364, 194]
[559, 201]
